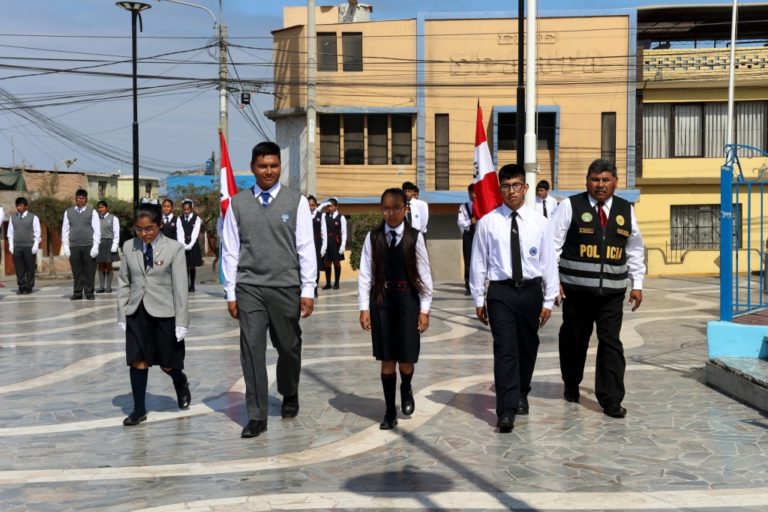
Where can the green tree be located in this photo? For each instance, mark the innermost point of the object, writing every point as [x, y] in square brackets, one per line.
[50, 211]
[360, 224]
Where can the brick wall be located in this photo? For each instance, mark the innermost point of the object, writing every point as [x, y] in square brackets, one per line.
[69, 182]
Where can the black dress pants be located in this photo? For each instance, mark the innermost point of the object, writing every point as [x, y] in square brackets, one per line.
[24, 261]
[513, 314]
[582, 310]
[466, 248]
[83, 269]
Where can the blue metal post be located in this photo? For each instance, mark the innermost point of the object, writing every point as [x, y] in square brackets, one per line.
[726, 242]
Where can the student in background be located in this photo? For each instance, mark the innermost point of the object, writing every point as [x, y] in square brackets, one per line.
[317, 231]
[466, 222]
[545, 204]
[395, 296]
[152, 308]
[334, 235]
[417, 212]
[110, 241]
[191, 224]
[2, 218]
[80, 239]
[23, 243]
[171, 223]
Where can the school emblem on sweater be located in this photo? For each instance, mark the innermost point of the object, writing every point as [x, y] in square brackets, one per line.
[586, 217]
[620, 220]
[533, 251]
[286, 217]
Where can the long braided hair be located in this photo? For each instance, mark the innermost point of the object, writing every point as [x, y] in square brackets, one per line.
[379, 248]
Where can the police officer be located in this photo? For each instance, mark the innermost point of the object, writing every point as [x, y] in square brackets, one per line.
[599, 244]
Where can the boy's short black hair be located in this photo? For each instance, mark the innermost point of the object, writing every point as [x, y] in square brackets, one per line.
[510, 171]
[22, 200]
[310, 197]
[471, 187]
[407, 185]
[102, 203]
[81, 192]
[263, 149]
[542, 184]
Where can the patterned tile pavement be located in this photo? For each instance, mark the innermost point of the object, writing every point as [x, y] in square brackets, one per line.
[64, 391]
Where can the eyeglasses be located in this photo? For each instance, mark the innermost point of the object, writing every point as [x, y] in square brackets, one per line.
[148, 230]
[392, 211]
[517, 187]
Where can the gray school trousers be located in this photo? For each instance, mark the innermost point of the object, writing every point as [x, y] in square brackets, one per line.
[277, 310]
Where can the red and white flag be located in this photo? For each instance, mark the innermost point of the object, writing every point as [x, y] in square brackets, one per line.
[228, 186]
[487, 195]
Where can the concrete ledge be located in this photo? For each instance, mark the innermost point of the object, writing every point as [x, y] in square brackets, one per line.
[729, 339]
[745, 379]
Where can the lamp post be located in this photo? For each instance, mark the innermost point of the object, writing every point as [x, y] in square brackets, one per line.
[135, 8]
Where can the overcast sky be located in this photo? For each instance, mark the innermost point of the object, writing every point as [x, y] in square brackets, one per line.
[178, 118]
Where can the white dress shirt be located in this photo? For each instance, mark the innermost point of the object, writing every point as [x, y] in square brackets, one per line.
[116, 231]
[492, 253]
[464, 220]
[179, 227]
[551, 206]
[634, 248]
[324, 232]
[36, 233]
[419, 214]
[95, 225]
[305, 246]
[195, 231]
[365, 274]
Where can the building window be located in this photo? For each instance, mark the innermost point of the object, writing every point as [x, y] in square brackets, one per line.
[352, 51]
[330, 129]
[608, 136]
[327, 59]
[700, 130]
[378, 136]
[354, 150]
[102, 189]
[442, 152]
[506, 130]
[698, 226]
[401, 139]
[381, 134]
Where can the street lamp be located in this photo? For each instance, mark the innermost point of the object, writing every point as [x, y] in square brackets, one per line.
[135, 8]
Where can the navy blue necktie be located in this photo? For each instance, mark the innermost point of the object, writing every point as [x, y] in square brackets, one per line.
[265, 197]
[393, 242]
[148, 257]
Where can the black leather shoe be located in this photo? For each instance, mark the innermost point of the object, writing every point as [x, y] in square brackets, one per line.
[290, 408]
[134, 419]
[406, 401]
[109, 290]
[571, 394]
[254, 428]
[90, 297]
[101, 290]
[614, 410]
[336, 287]
[326, 287]
[506, 422]
[522, 409]
[76, 297]
[183, 396]
[388, 423]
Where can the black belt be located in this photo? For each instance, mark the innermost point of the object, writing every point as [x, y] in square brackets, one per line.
[397, 285]
[523, 284]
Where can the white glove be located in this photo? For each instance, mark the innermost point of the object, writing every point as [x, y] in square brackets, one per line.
[10, 248]
[94, 251]
[35, 248]
[65, 250]
[122, 325]
[114, 247]
[322, 254]
[188, 247]
[181, 333]
[341, 252]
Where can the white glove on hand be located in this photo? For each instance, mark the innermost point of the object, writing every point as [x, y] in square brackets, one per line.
[65, 250]
[35, 248]
[181, 333]
[10, 249]
[322, 254]
[94, 251]
[188, 247]
[341, 252]
[113, 249]
[122, 325]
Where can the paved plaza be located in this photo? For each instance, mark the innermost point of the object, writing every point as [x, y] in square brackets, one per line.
[64, 391]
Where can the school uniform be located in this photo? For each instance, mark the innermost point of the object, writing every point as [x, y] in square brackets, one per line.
[152, 304]
[24, 237]
[394, 320]
[334, 236]
[191, 224]
[110, 239]
[467, 229]
[418, 214]
[172, 228]
[81, 236]
[269, 264]
[317, 232]
[547, 206]
[513, 251]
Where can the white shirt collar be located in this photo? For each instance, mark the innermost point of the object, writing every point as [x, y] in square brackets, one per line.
[153, 244]
[272, 191]
[506, 211]
[24, 214]
[593, 201]
[399, 229]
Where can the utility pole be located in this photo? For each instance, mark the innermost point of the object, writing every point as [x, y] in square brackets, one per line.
[530, 164]
[520, 115]
[309, 180]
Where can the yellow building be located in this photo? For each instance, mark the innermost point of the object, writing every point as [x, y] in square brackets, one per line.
[396, 101]
[683, 91]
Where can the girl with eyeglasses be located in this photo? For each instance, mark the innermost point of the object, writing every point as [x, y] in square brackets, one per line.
[395, 295]
[152, 309]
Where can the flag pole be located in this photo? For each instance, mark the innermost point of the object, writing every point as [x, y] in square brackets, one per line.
[530, 163]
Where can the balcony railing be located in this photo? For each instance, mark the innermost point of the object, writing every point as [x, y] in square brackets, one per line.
[703, 64]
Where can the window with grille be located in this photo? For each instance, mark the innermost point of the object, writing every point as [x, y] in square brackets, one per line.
[697, 226]
[327, 58]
